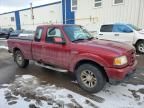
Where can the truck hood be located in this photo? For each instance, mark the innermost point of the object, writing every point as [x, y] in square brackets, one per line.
[116, 47]
[141, 31]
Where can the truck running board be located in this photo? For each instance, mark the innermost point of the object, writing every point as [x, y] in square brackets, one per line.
[51, 67]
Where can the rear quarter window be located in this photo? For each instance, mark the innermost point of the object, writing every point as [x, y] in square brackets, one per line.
[106, 28]
[38, 34]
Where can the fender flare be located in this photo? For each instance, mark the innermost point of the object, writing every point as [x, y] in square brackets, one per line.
[87, 56]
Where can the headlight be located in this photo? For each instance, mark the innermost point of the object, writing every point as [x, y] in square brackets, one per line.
[122, 60]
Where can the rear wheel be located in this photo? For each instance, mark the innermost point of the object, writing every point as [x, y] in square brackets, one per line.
[90, 78]
[7, 37]
[19, 59]
[140, 46]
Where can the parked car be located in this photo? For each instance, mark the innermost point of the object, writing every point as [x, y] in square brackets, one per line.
[127, 33]
[5, 32]
[0, 31]
[15, 33]
[70, 48]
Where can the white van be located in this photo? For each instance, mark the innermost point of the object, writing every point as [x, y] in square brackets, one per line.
[127, 33]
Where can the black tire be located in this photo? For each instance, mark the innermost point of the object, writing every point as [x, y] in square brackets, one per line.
[19, 59]
[140, 46]
[7, 37]
[97, 73]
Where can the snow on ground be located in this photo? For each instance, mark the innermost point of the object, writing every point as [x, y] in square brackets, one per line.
[123, 96]
[27, 91]
[3, 39]
[3, 47]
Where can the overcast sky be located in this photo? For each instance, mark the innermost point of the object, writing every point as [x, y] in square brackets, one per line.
[11, 5]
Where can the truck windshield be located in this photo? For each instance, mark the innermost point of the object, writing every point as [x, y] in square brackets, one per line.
[77, 33]
[134, 27]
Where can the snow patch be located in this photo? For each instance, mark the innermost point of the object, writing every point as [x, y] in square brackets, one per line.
[3, 39]
[137, 55]
[27, 91]
[4, 47]
[122, 96]
[5, 85]
[27, 76]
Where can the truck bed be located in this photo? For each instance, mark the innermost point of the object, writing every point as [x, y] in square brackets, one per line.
[25, 44]
[22, 38]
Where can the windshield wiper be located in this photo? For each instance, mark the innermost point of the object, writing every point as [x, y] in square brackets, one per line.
[80, 39]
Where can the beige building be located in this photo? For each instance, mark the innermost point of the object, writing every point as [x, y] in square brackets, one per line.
[89, 13]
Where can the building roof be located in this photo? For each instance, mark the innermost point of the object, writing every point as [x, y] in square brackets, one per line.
[33, 7]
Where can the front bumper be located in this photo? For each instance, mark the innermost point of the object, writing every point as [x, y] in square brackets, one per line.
[118, 75]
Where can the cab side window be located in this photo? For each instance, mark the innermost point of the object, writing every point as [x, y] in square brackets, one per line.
[52, 33]
[122, 29]
[38, 34]
[106, 28]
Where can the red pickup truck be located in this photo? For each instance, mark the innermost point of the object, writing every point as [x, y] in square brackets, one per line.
[70, 48]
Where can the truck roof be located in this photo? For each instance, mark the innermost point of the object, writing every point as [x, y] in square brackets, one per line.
[58, 25]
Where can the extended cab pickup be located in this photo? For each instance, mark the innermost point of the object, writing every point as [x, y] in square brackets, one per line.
[70, 48]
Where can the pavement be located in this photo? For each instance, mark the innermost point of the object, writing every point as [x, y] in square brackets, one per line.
[9, 73]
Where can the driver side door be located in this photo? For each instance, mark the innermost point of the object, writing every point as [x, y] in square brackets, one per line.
[55, 54]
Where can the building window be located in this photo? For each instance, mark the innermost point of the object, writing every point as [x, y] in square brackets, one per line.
[115, 2]
[73, 5]
[97, 3]
[12, 19]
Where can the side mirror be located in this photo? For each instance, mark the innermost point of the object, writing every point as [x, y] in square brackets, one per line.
[59, 40]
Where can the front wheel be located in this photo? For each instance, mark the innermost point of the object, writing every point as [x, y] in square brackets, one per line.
[90, 78]
[140, 47]
[19, 59]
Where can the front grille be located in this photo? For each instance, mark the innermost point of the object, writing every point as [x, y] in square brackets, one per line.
[131, 57]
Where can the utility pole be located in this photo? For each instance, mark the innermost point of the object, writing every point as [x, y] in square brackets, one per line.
[32, 14]
[139, 13]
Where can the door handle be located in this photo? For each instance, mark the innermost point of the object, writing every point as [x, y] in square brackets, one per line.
[100, 34]
[116, 34]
